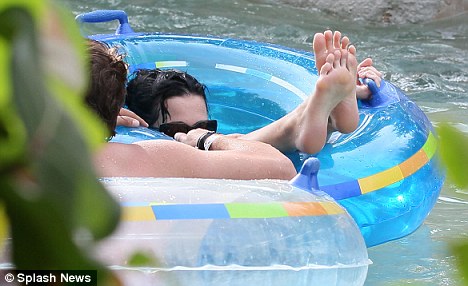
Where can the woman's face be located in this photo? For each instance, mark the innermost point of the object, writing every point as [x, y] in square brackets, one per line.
[189, 109]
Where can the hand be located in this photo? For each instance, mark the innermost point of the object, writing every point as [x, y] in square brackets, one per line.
[130, 119]
[191, 138]
[366, 70]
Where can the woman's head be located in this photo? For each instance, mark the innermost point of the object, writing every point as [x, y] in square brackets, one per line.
[161, 96]
[106, 90]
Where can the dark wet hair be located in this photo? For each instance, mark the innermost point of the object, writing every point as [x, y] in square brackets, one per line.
[148, 91]
[106, 90]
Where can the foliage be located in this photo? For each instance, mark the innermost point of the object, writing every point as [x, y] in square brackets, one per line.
[54, 204]
[454, 154]
[142, 259]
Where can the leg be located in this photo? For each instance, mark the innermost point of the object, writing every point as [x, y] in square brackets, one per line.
[305, 128]
[323, 45]
[345, 116]
[336, 85]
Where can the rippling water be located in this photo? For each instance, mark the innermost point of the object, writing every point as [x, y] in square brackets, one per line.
[429, 62]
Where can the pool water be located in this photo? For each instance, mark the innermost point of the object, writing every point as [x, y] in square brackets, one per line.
[429, 62]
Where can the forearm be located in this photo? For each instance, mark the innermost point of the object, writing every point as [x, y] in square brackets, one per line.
[253, 159]
[229, 157]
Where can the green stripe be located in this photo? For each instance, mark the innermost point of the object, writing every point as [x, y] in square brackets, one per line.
[252, 210]
[430, 146]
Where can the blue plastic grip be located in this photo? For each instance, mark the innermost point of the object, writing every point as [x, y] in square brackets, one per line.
[381, 96]
[371, 85]
[99, 16]
[306, 179]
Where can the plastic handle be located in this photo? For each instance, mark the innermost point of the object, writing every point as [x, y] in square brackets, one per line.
[381, 97]
[306, 179]
[99, 16]
[371, 85]
[103, 16]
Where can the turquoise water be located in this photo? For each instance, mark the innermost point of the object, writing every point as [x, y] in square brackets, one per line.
[428, 62]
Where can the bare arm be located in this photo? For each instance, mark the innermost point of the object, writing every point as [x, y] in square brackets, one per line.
[228, 158]
[234, 158]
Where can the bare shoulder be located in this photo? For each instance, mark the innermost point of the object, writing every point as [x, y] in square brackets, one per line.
[155, 158]
[115, 151]
[163, 158]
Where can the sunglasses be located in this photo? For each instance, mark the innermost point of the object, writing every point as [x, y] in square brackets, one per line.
[171, 128]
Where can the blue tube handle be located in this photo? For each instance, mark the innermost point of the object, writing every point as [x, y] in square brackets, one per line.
[371, 85]
[99, 16]
[306, 179]
[377, 98]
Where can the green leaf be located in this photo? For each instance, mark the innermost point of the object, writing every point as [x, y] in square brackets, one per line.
[34, 8]
[141, 259]
[461, 253]
[454, 153]
[36, 217]
[63, 43]
[4, 226]
[52, 133]
[12, 132]
[49, 188]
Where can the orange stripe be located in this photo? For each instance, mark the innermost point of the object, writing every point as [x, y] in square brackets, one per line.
[304, 209]
[414, 163]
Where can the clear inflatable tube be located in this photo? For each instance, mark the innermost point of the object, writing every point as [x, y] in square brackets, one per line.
[228, 232]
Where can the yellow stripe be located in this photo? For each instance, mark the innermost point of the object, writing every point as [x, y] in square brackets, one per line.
[380, 180]
[332, 208]
[137, 214]
[401, 171]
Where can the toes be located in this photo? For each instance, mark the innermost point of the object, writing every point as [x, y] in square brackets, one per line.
[330, 59]
[319, 44]
[326, 68]
[337, 59]
[344, 57]
[320, 49]
[337, 40]
[352, 50]
[329, 40]
[351, 65]
[344, 42]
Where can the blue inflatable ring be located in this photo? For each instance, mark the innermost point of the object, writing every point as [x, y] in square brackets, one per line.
[385, 174]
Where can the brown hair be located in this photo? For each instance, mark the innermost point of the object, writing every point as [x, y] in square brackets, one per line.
[106, 91]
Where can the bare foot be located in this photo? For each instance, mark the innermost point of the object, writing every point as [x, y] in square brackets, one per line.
[325, 44]
[345, 116]
[306, 127]
[335, 86]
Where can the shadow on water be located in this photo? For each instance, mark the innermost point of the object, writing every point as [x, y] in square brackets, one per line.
[428, 62]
